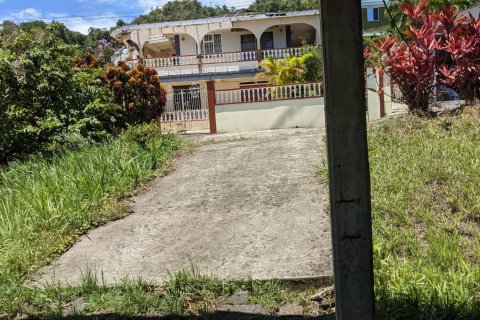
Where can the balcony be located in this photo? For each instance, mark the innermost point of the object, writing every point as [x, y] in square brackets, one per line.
[225, 62]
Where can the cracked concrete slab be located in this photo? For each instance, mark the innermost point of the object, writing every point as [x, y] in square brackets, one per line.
[247, 208]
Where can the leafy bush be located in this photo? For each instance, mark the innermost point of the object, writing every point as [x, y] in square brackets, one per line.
[138, 91]
[143, 134]
[45, 97]
[462, 43]
[411, 64]
[291, 69]
[52, 100]
[313, 63]
[414, 61]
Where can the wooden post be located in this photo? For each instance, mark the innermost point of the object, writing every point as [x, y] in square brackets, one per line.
[381, 92]
[348, 158]
[211, 106]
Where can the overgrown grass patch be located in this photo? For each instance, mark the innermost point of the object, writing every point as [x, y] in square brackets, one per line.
[186, 292]
[46, 203]
[426, 216]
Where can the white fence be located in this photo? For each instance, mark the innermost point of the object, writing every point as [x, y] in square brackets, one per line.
[131, 63]
[230, 57]
[186, 110]
[227, 61]
[270, 93]
[281, 53]
[186, 99]
[171, 61]
[187, 115]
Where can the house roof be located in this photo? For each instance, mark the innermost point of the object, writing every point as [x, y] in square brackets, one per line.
[373, 3]
[241, 16]
[238, 16]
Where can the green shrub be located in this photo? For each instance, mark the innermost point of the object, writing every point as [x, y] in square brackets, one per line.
[143, 134]
[45, 97]
[313, 63]
[53, 100]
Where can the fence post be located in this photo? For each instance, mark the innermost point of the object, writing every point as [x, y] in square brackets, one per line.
[349, 176]
[381, 93]
[211, 105]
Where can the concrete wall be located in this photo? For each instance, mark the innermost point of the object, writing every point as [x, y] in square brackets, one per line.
[373, 97]
[372, 26]
[302, 113]
[373, 100]
[188, 45]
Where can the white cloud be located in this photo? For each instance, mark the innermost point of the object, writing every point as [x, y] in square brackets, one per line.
[97, 1]
[149, 4]
[80, 24]
[25, 14]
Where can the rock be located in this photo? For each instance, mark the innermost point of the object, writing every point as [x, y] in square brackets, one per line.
[239, 298]
[290, 309]
[327, 292]
[250, 309]
[75, 307]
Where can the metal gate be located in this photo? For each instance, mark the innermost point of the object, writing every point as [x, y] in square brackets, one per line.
[186, 110]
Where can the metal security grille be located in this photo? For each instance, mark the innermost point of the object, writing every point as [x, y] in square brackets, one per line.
[187, 99]
[186, 110]
[212, 43]
[248, 42]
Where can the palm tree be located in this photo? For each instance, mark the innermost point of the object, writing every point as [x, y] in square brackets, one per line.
[287, 70]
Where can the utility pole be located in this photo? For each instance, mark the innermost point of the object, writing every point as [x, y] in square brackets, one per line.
[345, 111]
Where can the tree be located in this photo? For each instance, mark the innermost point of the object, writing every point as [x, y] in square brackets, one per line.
[46, 100]
[283, 5]
[291, 69]
[403, 21]
[137, 90]
[181, 10]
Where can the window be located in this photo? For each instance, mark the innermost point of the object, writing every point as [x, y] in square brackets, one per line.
[372, 14]
[248, 42]
[212, 43]
[266, 40]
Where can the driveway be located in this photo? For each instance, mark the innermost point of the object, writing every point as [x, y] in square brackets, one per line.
[235, 209]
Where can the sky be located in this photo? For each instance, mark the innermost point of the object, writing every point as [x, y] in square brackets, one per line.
[79, 15]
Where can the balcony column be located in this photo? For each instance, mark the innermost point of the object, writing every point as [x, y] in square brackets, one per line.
[140, 49]
[259, 47]
[199, 54]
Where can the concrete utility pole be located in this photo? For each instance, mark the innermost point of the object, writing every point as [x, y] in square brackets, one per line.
[348, 158]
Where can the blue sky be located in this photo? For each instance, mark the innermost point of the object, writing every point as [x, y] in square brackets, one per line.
[79, 15]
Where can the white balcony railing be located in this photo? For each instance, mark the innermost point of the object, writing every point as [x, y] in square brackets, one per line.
[281, 53]
[270, 93]
[171, 61]
[230, 57]
[131, 63]
[217, 62]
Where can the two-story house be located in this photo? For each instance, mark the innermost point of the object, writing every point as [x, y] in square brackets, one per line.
[226, 49]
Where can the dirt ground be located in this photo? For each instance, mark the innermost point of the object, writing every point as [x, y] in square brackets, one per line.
[235, 209]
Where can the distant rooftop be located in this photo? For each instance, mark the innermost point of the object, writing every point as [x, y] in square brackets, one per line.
[243, 15]
[231, 17]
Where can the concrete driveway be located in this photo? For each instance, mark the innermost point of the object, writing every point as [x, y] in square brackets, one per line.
[236, 209]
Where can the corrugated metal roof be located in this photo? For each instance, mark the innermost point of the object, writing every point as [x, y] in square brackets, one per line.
[239, 16]
[227, 18]
[373, 3]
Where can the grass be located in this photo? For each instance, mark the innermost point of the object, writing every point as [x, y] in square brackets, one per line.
[425, 177]
[186, 292]
[46, 203]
